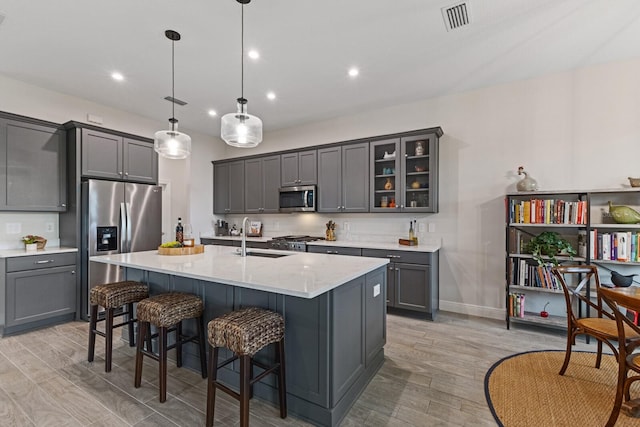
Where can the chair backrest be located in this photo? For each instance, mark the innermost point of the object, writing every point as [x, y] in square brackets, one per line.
[575, 280]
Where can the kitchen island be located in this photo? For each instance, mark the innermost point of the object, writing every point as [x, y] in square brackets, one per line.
[334, 310]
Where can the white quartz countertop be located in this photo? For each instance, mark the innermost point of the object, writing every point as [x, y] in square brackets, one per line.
[298, 274]
[10, 253]
[422, 247]
[426, 247]
[238, 238]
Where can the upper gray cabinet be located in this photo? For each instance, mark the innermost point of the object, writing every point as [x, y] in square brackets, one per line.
[343, 178]
[32, 165]
[298, 168]
[261, 184]
[228, 187]
[112, 156]
[404, 173]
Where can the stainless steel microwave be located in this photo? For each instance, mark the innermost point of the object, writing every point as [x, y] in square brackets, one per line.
[298, 199]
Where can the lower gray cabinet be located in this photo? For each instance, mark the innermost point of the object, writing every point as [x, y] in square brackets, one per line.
[334, 250]
[412, 280]
[39, 290]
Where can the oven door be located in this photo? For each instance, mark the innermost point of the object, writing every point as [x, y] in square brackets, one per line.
[298, 199]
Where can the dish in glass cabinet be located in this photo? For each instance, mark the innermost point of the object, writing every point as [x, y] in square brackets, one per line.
[419, 168]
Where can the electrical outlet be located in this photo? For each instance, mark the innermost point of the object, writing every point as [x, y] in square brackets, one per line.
[277, 225]
[13, 228]
[421, 227]
[345, 227]
[432, 227]
[49, 227]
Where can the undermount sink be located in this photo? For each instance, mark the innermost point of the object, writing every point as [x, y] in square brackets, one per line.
[266, 254]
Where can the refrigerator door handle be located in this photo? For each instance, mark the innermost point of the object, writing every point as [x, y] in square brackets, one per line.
[124, 226]
[127, 210]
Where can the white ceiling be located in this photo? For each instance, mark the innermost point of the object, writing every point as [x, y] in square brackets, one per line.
[401, 47]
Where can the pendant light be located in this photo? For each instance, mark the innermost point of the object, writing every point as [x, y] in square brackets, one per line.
[171, 143]
[241, 129]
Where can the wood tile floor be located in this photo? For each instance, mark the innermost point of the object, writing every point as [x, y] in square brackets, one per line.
[432, 376]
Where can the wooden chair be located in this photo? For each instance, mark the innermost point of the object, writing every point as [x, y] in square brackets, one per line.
[629, 340]
[602, 326]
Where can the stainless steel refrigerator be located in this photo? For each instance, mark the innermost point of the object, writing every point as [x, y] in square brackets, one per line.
[117, 217]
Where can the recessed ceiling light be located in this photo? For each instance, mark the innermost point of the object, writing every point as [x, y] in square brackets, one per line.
[353, 72]
[253, 54]
[271, 95]
[117, 76]
[213, 113]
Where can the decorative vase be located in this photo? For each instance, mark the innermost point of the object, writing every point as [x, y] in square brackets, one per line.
[30, 247]
[415, 184]
[388, 185]
[420, 148]
[624, 214]
[527, 183]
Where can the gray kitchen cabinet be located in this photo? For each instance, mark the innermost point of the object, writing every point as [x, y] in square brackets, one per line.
[113, 156]
[412, 280]
[404, 173]
[343, 178]
[38, 290]
[261, 184]
[298, 168]
[33, 165]
[228, 187]
[219, 242]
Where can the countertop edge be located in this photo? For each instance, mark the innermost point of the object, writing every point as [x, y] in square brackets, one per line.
[14, 253]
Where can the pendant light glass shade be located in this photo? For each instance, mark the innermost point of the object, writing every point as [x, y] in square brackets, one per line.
[171, 143]
[241, 129]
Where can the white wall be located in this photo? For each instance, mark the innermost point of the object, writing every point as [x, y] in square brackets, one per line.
[573, 130]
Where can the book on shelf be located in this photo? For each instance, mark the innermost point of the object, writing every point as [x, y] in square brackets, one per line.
[547, 211]
[516, 304]
[523, 272]
[622, 246]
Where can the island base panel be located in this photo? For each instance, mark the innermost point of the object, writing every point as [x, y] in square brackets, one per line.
[319, 389]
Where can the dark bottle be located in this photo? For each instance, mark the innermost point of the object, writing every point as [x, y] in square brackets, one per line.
[179, 231]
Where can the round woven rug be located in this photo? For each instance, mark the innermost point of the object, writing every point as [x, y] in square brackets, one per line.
[525, 390]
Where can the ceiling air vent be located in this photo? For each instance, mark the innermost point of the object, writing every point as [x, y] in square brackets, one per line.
[456, 16]
[175, 100]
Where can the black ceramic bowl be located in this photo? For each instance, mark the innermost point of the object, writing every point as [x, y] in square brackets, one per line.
[620, 280]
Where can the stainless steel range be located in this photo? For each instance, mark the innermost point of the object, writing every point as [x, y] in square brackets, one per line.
[291, 243]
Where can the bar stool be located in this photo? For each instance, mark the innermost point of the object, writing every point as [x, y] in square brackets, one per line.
[166, 312]
[113, 296]
[245, 332]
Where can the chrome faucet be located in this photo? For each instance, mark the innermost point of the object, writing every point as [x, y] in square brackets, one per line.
[243, 248]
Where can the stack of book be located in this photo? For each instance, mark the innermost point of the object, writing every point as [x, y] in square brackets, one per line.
[523, 273]
[516, 305]
[614, 246]
[547, 211]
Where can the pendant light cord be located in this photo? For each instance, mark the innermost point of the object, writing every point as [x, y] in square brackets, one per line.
[173, 85]
[242, 56]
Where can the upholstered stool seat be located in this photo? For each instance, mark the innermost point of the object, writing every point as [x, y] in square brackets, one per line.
[167, 312]
[245, 332]
[113, 296]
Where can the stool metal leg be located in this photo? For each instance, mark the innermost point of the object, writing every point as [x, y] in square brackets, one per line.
[130, 321]
[108, 333]
[282, 383]
[245, 381]
[93, 320]
[203, 349]
[211, 385]
[142, 332]
[162, 359]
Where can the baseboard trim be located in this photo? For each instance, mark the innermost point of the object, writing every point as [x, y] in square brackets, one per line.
[473, 310]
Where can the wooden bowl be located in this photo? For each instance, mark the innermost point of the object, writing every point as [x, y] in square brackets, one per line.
[635, 182]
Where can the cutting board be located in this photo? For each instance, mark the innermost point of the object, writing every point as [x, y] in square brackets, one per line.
[197, 249]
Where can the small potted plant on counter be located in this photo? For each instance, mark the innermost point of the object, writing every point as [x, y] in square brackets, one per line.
[33, 242]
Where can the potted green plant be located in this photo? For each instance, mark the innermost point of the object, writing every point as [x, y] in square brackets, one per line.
[31, 242]
[545, 246]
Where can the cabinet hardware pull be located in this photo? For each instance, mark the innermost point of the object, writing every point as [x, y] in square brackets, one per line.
[64, 205]
[120, 173]
[45, 261]
[332, 252]
[393, 256]
[126, 174]
[73, 272]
